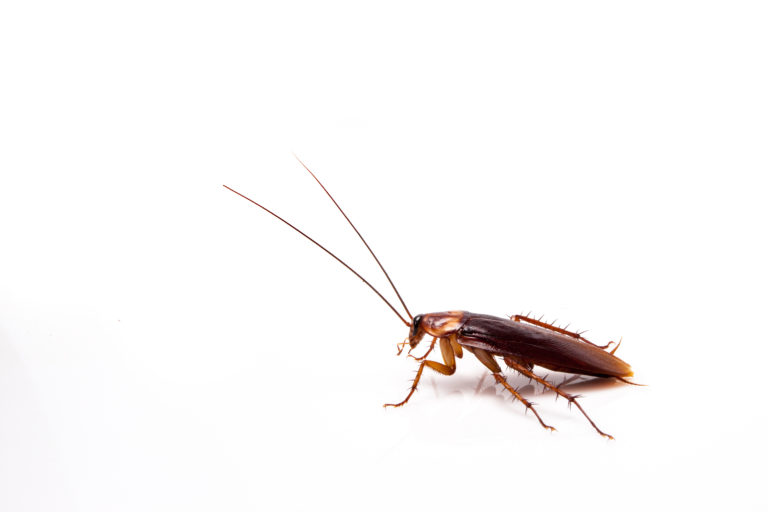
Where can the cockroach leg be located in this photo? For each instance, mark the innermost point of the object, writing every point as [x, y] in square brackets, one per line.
[446, 369]
[457, 350]
[501, 380]
[551, 327]
[527, 364]
[431, 347]
[487, 359]
[571, 398]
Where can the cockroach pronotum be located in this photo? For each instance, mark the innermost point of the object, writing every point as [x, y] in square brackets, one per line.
[520, 341]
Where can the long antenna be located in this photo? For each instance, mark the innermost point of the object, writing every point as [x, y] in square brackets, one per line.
[358, 234]
[323, 248]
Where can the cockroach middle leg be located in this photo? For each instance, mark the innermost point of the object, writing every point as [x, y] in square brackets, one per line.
[446, 369]
[545, 325]
[490, 363]
[571, 398]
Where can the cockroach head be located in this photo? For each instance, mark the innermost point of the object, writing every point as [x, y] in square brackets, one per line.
[439, 325]
[414, 337]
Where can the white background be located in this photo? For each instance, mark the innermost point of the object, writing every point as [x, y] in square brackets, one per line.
[164, 345]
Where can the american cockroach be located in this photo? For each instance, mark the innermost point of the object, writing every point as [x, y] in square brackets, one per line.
[520, 341]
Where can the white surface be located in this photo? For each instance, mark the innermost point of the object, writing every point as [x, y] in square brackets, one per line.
[164, 345]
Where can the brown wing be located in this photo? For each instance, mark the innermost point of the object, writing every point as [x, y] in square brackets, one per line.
[539, 346]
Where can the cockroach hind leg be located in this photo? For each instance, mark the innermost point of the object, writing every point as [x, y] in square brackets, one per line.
[528, 405]
[572, 399]
[552, 327]
[527, 364]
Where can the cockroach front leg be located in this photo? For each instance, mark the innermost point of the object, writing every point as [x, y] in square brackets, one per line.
[545, 325]
[457, 350]
[431, 347]
[446, 369]
[571, 398]
[490, 363]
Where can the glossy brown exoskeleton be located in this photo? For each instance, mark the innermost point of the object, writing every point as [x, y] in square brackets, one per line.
[521, 342]
[521, 346]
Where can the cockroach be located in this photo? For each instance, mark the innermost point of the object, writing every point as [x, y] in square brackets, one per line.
[520, 341]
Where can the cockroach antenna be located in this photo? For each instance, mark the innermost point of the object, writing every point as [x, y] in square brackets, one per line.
[406, 322]
[358, 234]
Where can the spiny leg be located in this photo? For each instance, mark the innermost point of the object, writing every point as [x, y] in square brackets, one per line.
[487, 359]
[545, 325]
[501, 380]
[446, 369]
[571, 398]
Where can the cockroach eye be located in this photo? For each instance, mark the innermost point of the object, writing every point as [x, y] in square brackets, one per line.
[415, 326]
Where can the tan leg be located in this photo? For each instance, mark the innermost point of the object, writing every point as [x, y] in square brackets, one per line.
[456, 347]
[431, 347]
[446, 369]
[528, 405]
[571, 398]
[457, 351]
[545, 325]
[490, 363]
